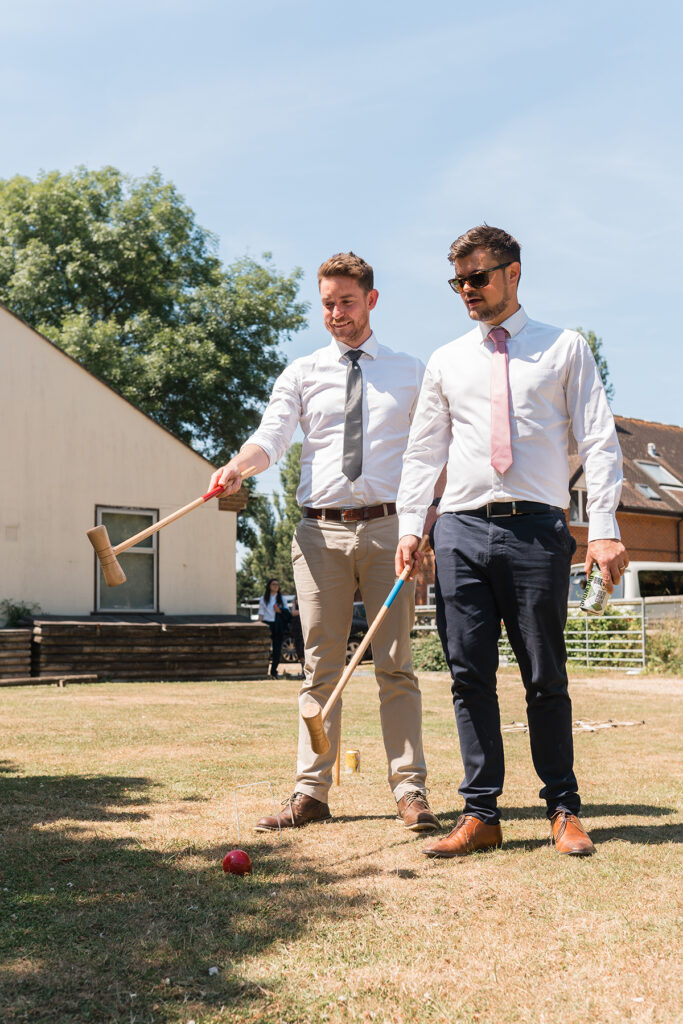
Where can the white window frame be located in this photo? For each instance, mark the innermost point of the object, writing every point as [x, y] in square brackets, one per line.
[152, 552]
[582, 496]
[660, 474]
[674, 492]
[648, 491]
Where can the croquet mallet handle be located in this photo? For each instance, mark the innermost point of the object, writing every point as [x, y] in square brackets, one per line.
[363, 645]
[132, 541]
[311, 711]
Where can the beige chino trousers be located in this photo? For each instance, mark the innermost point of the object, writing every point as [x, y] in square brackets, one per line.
[331, 561]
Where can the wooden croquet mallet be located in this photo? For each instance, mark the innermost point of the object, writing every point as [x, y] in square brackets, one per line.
[312, 714]
[99, 538]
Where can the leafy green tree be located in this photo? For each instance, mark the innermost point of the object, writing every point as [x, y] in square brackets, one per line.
[271, 550]
[116, 271]
[603, 369]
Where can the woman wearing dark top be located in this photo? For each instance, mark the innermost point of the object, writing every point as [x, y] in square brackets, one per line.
[271, 610]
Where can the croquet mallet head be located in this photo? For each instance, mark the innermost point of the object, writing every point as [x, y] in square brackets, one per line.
[111, 570]
[312, 715]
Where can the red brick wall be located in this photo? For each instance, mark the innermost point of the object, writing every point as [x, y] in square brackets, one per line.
[646, 538]
[424, 578]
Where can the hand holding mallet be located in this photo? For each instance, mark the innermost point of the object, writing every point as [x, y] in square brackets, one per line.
[99, 538]
[312, 714]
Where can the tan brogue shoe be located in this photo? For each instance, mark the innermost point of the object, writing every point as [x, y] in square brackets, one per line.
[470, 834]
[298, 809]
[415, 813]
[569, 835]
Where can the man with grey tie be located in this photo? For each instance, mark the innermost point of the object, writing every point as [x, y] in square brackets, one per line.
[354, 400]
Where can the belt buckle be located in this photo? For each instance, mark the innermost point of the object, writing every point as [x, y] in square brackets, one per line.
[501, 515]
[347, 515]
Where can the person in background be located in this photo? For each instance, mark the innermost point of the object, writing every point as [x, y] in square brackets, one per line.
[271, 610]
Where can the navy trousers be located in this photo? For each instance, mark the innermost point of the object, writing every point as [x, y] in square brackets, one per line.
[514, 569]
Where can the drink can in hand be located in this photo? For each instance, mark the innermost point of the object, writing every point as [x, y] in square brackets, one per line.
[595, 596]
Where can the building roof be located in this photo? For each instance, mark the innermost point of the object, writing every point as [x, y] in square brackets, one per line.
[103, 383]
[653, 467]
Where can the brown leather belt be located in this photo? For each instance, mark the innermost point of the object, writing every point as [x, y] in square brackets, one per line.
[350, 515]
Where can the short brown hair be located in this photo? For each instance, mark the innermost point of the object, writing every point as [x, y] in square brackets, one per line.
[347, 264]
[499, 243]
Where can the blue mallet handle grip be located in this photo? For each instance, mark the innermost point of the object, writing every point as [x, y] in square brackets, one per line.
[362, 647]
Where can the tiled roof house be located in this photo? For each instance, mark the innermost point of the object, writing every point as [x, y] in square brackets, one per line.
[650, 512]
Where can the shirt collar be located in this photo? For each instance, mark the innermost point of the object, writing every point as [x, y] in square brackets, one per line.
[513, 325]
[369, 348]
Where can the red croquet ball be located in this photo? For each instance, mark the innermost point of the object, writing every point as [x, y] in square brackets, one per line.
[237, 862]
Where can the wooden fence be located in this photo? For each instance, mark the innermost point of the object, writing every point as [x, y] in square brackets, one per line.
[15, 653]
[137, 651]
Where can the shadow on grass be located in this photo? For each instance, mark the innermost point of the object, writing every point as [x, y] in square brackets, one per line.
[645, 835]
[538, 812]
[346, 818]
[630, 833]
[102, 929]
[591, 811]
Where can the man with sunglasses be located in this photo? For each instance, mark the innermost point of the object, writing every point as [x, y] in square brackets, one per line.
[496, 405]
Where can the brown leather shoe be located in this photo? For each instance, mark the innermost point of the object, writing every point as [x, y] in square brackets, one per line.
[469, 834]
[299, 809]
[415, 813]
[569, 835]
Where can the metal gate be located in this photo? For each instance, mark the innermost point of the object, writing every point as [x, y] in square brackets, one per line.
[614, 640]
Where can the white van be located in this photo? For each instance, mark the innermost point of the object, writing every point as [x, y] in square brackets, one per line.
[640, 579]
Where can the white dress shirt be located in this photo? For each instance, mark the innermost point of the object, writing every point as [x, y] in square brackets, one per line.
[312, 392]
[554, 382]
[266, 609]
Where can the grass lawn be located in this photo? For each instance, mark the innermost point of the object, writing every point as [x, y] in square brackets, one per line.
[117, 804]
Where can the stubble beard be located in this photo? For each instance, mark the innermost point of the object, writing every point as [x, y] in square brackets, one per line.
[488, 313]
[361, 331]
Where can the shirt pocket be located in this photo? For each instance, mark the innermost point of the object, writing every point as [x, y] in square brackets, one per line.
[537, 398]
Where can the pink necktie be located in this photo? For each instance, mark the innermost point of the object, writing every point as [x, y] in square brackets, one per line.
[501, 451]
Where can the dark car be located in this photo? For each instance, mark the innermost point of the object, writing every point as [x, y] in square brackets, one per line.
[359, 627]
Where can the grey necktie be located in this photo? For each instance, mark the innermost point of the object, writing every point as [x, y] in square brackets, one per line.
[352, 459]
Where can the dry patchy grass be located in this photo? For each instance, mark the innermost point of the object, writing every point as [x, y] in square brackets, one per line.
[117, 803]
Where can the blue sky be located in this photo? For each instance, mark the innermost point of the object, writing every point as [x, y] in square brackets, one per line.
[389, 128]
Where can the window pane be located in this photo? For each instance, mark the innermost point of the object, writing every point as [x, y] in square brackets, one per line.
[649, 492]
[137, 593]
[653, 583]
[658, 473]
[574, 507]
[659, 583]
[122, 525]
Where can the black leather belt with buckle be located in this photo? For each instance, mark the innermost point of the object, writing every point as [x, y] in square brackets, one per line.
[496, 509]
[350, 515]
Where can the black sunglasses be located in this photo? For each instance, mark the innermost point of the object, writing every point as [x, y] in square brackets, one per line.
[479, 279]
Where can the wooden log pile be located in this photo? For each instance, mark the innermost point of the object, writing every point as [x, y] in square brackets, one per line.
[15, 652]
[141, 651]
